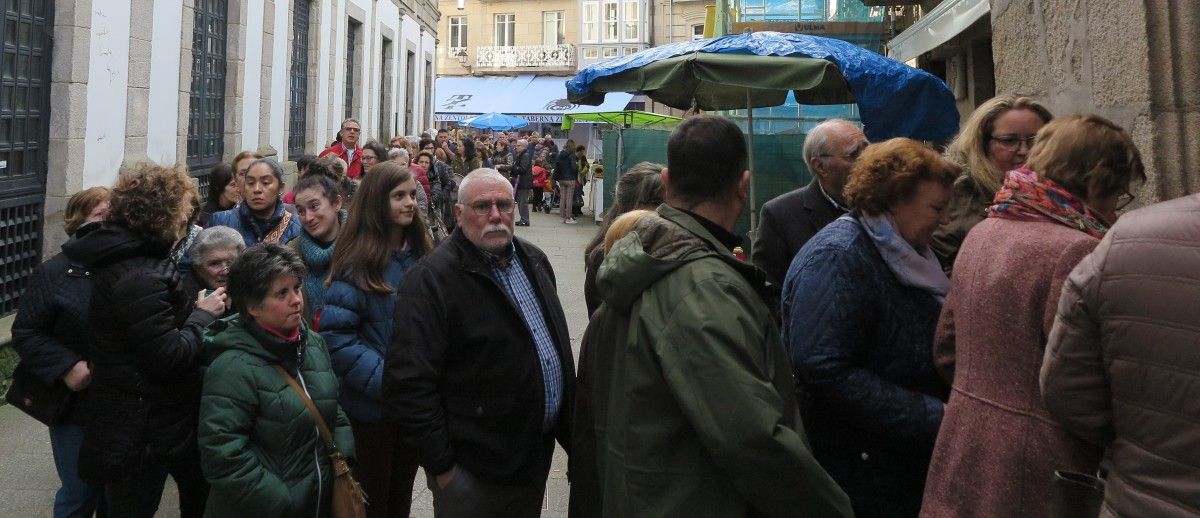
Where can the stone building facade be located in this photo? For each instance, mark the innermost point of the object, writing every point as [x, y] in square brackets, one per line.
[1132, 61]
[101, 85]
[499, 37]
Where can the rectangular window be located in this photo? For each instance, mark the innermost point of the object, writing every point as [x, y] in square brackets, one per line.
[385, 90]
[206, 117]
[591, 53]
[352, 28]
[591, 22]
[410, 92]
[610, 20]
[506, 28]
[428, 94]
[554, 25]
[458, 34]
[632, 50]
[698, 31]
[298, 109]
[633, 27]
[610, 52]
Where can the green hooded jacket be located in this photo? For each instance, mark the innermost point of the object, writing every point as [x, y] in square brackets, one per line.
[259, 445]
[695, 409]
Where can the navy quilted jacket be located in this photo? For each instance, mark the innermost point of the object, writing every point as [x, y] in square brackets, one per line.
[240, 219]
[861, 346]
[357, 327]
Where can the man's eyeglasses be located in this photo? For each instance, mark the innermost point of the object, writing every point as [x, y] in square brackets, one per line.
[849, 157]
[483, 208]
[1013, 141]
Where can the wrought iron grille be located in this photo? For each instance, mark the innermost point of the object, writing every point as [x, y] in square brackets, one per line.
[25, 41]
[351, 32]
[298, 109]
[206, 113]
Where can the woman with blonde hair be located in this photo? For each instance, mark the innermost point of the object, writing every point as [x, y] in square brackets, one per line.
[147, 332]
[52, 336]
[994, 326]
[996, 138]
[382, 238]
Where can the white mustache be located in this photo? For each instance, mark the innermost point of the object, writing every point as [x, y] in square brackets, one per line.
[496, 228]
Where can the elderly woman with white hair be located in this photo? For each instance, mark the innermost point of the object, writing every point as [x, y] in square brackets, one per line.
[212, 253]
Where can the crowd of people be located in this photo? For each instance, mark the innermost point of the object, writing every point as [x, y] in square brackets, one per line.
[916, 332]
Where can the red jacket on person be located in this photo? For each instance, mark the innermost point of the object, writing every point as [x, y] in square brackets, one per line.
[354, 166]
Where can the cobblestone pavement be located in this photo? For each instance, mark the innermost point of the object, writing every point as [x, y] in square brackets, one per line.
[28, 480]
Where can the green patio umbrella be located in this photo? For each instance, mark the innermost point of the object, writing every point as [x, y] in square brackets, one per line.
[721, 81]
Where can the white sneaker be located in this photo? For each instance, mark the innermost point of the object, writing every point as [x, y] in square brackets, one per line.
[570, 221]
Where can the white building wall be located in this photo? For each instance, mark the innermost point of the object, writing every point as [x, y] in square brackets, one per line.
[108, 73]
[164, 82]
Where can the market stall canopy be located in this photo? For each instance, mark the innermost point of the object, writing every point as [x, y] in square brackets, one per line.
[495, 121]
[534, 98]
[624, 119]
[755, 70]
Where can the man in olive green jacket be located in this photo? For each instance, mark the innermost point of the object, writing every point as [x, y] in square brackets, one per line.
[693, 397]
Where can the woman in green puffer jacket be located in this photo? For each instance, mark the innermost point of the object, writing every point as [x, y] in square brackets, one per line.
[259, 444]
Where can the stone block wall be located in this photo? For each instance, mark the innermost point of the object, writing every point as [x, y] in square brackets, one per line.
[1132, 61]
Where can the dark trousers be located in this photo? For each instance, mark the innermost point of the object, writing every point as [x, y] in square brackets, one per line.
[75, 498]
[469, 497]
[137, 494]
[385, 468]
[523, 203]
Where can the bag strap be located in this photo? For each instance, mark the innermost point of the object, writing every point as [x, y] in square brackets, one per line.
[277, 233]
[326, 436]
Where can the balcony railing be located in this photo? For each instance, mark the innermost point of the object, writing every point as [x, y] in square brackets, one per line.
[526, 56]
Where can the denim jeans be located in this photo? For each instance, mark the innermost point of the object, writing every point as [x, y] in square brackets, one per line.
[75, 499]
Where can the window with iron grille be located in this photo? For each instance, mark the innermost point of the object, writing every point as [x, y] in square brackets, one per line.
[385, 91]
[298, 103]
[351, 35]
[206, 112]
[410, 91]
[25, 41]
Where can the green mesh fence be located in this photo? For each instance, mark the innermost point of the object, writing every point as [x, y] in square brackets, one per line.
[778, 164]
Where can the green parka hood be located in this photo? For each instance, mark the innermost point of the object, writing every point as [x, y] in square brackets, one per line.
[657, 245]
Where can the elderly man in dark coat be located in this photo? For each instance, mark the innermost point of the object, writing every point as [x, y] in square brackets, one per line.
[790, 220]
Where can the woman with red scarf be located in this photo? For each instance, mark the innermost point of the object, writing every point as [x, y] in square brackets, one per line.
[998, 448]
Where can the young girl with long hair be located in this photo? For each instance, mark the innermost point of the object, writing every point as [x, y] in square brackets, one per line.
[383, 237]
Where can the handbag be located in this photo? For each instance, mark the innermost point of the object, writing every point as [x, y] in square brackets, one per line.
[349, 500]
[46, 403]
[1076, 495]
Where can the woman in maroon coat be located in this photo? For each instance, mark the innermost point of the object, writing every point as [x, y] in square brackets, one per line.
[997, 449]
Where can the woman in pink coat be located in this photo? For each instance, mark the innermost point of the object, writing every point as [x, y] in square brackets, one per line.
[998, 448]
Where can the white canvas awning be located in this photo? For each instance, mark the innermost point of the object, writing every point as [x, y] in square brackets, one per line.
[945, 21]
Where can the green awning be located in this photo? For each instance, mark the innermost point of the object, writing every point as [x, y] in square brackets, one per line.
[625, 119]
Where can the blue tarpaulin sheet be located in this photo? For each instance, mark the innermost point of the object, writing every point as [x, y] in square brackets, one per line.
[894, 99]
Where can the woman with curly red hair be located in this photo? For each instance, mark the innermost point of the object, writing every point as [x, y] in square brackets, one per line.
[860, 304]
[145, 391]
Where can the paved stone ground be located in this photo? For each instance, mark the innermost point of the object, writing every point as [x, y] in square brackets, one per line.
[28, 480]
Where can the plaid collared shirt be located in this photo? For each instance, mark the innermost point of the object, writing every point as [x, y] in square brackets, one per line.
[511, 274]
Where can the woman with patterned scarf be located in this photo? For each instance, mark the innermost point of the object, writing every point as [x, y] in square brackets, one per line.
[998, 447]
[319, 207]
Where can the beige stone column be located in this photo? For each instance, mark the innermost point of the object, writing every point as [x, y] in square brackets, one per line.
[70, 58]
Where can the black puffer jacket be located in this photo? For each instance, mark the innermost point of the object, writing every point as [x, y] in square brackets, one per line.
[522, 169]
[51, 331]
[146, 382]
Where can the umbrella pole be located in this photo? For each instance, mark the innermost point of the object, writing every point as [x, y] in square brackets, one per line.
[750, 127]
